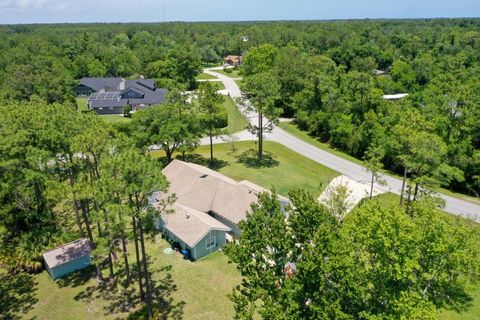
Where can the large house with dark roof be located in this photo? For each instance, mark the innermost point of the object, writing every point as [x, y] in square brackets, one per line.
[112, 95]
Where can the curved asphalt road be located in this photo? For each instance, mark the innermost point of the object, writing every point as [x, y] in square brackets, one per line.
[453, 205]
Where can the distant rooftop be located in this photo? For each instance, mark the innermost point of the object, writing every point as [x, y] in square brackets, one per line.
[394, 96]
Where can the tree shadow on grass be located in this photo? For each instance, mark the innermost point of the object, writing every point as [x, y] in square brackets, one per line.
[249, 159]
[201, 160]
[127, 300]
[77, 278]
[164, 305]
[17, 295]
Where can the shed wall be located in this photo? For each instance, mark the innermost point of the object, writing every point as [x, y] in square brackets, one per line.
[69, 267]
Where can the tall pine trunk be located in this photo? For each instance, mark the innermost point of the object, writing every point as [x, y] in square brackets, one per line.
[260, 137]
[145, 270]
[403, 186]
[110, 265]
[409, 200]
[211, 147]
[125, 258]
[415, 193]
[137, 255]
[75, 203]
[85, 212]
[124, 250]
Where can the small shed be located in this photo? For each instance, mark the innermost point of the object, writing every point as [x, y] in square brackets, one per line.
[68, 258]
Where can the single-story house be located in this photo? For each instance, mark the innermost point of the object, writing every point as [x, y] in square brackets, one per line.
[379, 72]
[202, 192]
[112, 95]
[232, 60]
[68, 258]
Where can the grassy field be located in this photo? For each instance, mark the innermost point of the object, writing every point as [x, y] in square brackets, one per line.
[302, 135]
[81, 103]
[197, 290]
[472, 314]
[233, 74]
[205, 76]
[218, 85]
[282, 169]
[236, 120]
[115, 118]
[293, 129]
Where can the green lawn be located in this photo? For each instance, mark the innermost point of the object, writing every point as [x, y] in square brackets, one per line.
[236, 120]
[302, 135]
[233, 74]
[472, 314]
[81, 103]
[198, 289]
[205, 76]
[218, 85]
[115, 118]
[283, 169]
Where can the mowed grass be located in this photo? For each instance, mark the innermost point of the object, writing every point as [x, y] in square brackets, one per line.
[82, 103]
[472, 314]
[205, 76]
[202, 285]
[233, 74]
[302, 135]
[236, 120]
[197, 289]
[283, 168]
[115, 118]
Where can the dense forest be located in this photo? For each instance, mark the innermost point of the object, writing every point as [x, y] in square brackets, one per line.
[65, 173]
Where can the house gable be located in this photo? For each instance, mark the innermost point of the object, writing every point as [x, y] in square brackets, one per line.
[83, 90]
[132, 93]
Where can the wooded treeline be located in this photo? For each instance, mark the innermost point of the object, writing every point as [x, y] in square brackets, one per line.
[324, 70]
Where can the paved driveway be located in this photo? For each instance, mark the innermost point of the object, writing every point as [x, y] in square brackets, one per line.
[453, 205]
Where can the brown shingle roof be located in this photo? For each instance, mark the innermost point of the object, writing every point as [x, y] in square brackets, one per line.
[206, 190]
[191, 225]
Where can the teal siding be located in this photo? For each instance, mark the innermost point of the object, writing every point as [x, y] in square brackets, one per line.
[74, 265]
[201, 250]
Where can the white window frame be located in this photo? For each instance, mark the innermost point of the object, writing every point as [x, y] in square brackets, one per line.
[212, 244]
